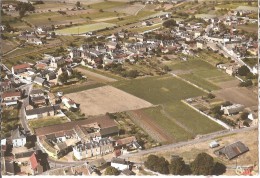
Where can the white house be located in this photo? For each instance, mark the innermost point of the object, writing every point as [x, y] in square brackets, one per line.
[69, 103]
[18, 137]
[119, 164]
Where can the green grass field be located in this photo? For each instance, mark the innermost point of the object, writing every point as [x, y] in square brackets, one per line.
[203, 74]
[106, 5]
[200, 82]
[169, 126]
[168, 92]
[46, 122]
[84, 28]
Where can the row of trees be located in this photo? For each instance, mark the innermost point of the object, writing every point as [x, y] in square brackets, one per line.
[203, 164]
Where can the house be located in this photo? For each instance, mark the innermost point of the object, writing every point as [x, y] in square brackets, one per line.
[40, 81]
[119, 163]
[5, 85]
[233, 150]
[93, 148]
[35, 164]
[34, 40]
[42, 112]
[57, 61]
[18, 137]
[36, 93]
[11, 98]
[127, 172]
[233, 109]
[128, 143]
[70, 104]
[20, 68]
[91, 134]
[9, 167]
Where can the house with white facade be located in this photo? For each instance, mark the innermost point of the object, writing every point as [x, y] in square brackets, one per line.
[18, 137]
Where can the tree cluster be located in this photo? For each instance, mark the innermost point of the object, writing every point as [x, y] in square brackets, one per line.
[23, 7]
[169, 23]
[203, 164]
[112, 171]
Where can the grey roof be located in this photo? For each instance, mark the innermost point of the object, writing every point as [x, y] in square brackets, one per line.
[17, 134]
[37, 98]
[119, 161]
[42, 110]
[9, 167]
[39, 80]
[36, 91]
[127, 172]
[109, 131]
[234, 150]
[62, 145]
[24, 154]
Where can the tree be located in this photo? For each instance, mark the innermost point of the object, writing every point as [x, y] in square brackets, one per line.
[22, 13]
[243, 70]
[219, 169]
[211, 96]
[169, 23]
[157, 164]
[49, 19]
[78, 4]
[245, 123]
[178, 167]
[202, 165]
[244, 116]
[111, 171]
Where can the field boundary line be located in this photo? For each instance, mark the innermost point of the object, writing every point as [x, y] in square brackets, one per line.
[189, 82]
[211, 118]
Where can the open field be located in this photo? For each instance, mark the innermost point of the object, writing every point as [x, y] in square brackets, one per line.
[248, 28]
[46, 122]
[95, 76]
[106, 99]
[84, 28]
[77, 87]
[239, 95]
[201, 73]
[189, 152]
[106, 5]
[128, 9]
[168, 92]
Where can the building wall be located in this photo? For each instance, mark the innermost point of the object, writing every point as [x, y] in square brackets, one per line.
[119, 166]
[19, 142]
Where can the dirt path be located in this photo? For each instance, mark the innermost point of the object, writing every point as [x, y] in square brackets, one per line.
[95, 76]
[151, 128]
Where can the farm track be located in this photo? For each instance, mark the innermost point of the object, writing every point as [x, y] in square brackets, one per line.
[151, 128]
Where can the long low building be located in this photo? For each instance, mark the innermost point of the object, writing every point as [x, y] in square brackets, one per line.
[57, 140]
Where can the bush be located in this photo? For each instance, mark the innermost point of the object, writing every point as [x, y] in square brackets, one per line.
[157, 164]
[203, 165]
[243, 71]
[112, 171]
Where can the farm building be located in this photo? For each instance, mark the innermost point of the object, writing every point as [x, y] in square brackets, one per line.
[233, 150]
[233, 109]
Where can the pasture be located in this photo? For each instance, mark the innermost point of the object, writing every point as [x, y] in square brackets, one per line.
[106, 99]
[84, 28]
[43, 122]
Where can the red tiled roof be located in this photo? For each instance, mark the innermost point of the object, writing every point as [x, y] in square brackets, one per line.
[126, 140]
[9, 94]
[21, 66]
[34, 161]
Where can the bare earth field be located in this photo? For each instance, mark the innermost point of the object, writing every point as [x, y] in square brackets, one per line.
[228, 84]
[106, 99]
[249, 138]
[238, 95]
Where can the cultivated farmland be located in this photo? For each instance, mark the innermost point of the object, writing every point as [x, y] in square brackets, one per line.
[84, 28]
[106, 99]
[174, 116]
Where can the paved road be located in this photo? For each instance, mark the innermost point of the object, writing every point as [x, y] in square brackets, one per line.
[202, 138]
[25, 103]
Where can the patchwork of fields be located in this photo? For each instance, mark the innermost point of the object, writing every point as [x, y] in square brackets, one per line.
[176, 119]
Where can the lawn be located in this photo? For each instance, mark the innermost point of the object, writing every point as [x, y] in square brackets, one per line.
[46, 122]
[84, 28]
[168, 92]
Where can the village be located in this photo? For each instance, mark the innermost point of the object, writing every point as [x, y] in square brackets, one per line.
[72, 111]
